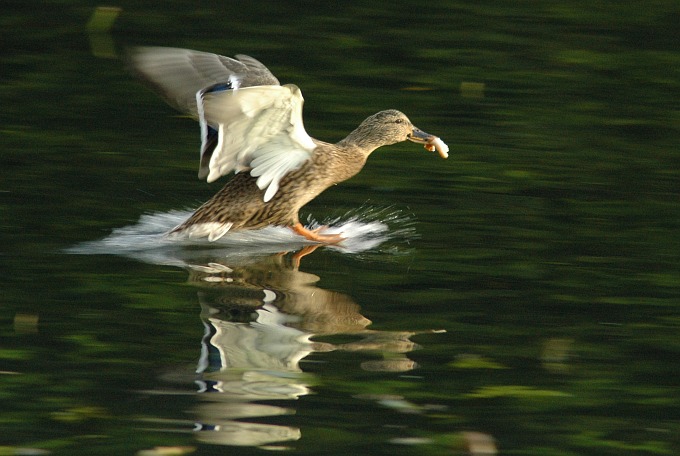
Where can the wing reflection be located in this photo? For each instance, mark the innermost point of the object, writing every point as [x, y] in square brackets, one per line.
[260, 318]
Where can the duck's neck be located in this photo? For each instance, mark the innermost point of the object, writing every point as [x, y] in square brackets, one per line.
[362, 140]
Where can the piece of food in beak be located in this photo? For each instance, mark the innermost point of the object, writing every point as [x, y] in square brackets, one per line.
[430, 142]
[438, 145]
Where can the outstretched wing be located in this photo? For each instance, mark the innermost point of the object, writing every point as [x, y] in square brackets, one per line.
[177, 74]
[258, 129]
[248, 121]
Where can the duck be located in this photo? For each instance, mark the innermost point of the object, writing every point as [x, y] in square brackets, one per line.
[252, 126]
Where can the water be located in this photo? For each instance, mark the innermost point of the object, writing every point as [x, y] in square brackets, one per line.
[520, 297]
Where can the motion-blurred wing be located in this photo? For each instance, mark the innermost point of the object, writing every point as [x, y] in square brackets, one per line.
[248, 121]
[177, 74]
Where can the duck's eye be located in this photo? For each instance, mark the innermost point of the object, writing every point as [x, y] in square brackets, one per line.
[399, 121]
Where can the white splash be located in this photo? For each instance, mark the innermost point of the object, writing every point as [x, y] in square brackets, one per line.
[364, 229]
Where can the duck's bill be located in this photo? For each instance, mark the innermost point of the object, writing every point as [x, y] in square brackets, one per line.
[430, 142]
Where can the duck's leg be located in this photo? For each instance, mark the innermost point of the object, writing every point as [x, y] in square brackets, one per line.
[300, 254]
[314, 235]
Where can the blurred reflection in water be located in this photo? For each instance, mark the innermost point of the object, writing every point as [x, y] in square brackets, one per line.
[260, 315]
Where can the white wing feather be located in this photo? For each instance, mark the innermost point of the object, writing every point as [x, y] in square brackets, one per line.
[259, 128]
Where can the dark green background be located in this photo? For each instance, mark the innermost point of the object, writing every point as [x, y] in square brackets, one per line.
[555, 222]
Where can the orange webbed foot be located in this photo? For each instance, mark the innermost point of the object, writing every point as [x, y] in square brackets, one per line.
[315, 234]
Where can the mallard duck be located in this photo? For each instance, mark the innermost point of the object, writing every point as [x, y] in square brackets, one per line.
[252, 125]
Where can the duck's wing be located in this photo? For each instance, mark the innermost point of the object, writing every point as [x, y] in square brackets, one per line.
[255, 128]
[248, 121]
[177, 74]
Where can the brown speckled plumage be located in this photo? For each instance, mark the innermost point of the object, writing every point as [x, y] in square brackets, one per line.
[240, 200]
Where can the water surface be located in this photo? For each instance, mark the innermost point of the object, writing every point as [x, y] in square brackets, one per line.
[520, 297]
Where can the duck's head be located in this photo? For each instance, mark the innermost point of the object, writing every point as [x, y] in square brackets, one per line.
[392, 126]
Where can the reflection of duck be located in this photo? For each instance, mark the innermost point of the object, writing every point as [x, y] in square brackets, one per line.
[261, 315]
[252, 125]
[245, 284]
